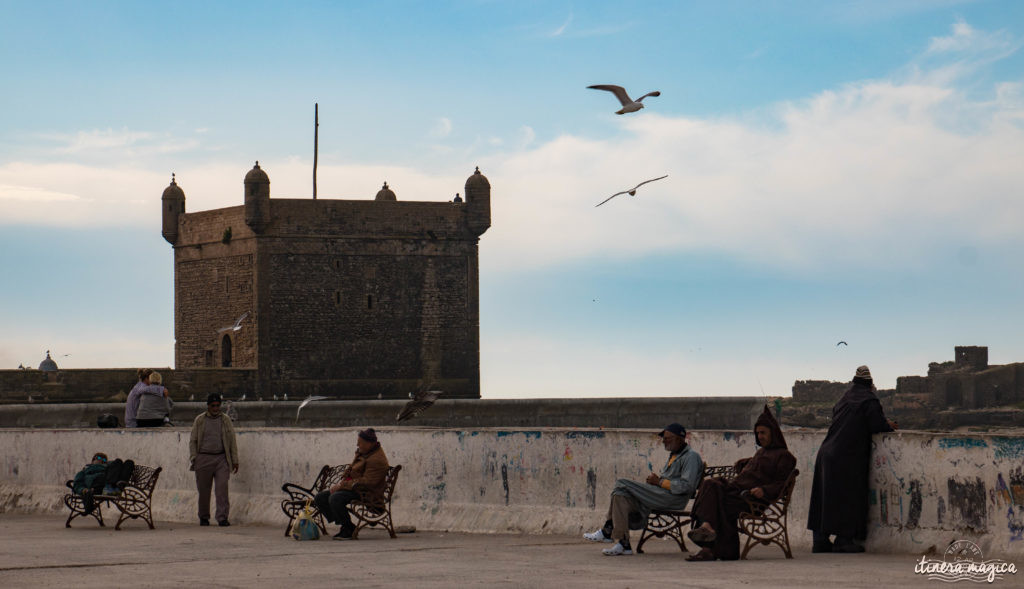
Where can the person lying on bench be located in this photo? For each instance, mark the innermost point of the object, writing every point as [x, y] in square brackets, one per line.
[720, 501]
[90, 481]
[632, 501]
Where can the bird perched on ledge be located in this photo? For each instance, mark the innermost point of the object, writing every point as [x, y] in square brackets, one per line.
[628, 104]
[420, 401]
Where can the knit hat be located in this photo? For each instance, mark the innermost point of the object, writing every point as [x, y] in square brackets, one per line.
[369, 435]
[213, 398]
[675, 428]
[863, 372]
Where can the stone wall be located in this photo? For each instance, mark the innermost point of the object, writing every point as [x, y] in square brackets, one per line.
[84, 385]
[927, 490]
[694, 412]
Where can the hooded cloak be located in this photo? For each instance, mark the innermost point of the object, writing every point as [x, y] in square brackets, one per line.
[839, 494]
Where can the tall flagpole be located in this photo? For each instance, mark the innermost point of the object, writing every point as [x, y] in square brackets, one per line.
[316, 141]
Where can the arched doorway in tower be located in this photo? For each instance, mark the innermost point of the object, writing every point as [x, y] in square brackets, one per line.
[225, 351]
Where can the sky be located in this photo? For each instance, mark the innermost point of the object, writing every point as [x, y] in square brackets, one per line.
[837, 171]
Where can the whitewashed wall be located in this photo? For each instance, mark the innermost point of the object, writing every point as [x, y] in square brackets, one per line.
[928, 489]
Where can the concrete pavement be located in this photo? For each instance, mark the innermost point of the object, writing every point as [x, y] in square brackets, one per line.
[38, 551]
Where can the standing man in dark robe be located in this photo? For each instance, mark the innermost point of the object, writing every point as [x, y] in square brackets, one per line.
[839, 495]
[720, 501]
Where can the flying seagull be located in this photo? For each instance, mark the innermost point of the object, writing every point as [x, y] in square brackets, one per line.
[628, 104]
[844, 343]
[420, 401]
[236, 326]
[631, 191]
[308, 400]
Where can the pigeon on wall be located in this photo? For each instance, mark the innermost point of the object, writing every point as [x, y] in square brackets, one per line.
[628, 104]
[420, 401]
[631, 191]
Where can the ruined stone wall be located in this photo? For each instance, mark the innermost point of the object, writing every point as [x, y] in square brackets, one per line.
[818, 391]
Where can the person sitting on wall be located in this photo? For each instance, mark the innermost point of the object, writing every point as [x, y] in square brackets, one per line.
[632, 501]
[720, 500]
[154, 410]
[839, 493]
[365, 479]
[143, 387]
[90, 481]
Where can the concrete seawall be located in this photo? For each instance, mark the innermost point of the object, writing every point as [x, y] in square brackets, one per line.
[927, 489]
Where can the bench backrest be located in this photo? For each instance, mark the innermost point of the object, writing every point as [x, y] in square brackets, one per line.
[328, 477]
[145, 477]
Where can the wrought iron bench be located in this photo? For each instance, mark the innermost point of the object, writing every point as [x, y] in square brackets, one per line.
[134, 500]
[365, 512]
[766, 524]
[675, 523]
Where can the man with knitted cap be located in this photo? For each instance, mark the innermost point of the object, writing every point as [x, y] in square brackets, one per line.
[213, 450]
[364, 479]
[839, 493]
[633, 501]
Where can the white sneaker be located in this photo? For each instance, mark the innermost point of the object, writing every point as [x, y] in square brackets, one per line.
[597, 536]
[617, 550]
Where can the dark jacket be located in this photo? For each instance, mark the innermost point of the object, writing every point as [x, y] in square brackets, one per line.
[93, 476]
[769, 467]
[839, 494]
[368, 472]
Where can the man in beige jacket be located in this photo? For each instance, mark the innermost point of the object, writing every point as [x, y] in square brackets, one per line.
[212, 450]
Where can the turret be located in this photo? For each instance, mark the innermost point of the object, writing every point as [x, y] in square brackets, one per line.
[386, 193]
[173, 205]
[257, 199]
[478, 202]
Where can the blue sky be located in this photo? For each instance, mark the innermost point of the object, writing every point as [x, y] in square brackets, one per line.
[837, 171]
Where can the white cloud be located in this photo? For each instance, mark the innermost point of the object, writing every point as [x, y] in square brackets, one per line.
[557, 32]
[868, 174]
[442, 128]
[965, 39]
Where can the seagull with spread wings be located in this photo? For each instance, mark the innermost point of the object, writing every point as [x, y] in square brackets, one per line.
[236, 326]
[631, 191]
[420, 401]
[628, 104]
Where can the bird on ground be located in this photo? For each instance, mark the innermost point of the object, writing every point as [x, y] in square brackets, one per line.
[843, 343]
[628, 104]
[420, 401]
[631, 191]
[308, 400]
[236, 326]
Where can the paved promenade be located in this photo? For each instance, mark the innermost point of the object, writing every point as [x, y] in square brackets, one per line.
[37, 551]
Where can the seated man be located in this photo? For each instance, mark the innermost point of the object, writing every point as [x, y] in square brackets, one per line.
[671, 490]
[720, 500]
[366, 476]
[90, 480]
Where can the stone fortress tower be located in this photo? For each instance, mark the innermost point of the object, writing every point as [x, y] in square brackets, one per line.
[345, 298]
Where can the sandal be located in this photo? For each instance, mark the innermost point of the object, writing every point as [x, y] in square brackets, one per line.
[704, 554]
[702, 536]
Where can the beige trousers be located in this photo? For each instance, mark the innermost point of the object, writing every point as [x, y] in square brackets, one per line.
[618, 512]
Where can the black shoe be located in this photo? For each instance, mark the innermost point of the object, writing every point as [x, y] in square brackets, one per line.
[847, 547]
[822, 546]
[204, 521]
[223, 523]
[344, 534]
